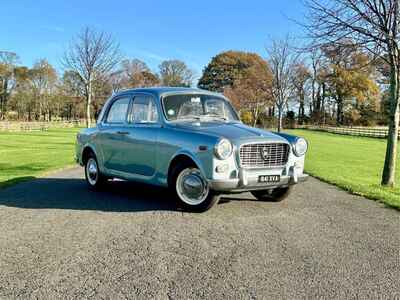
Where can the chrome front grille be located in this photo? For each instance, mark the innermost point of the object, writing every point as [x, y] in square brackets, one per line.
[264, 155]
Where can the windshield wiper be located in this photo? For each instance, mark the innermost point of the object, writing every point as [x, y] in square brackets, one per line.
[216, 116]
[189, 117]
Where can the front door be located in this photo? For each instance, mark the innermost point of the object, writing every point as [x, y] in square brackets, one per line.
[140, 144]
[112, 135]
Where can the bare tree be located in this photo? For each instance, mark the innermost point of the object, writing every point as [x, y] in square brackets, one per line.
[373, 24]
[175, 73]
[281, 59]
[139, 74]
[91, 55]
[134, 66]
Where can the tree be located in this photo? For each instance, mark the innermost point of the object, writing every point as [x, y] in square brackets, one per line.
[252, 91]
[243, 77]
[349, 78]
[43, 78]
[72, 90]
[300, 77]
[91, 55]
[226, 68]
[175, 73]
[8, 65]
[282, 61]
[139, 74]
[374, 25]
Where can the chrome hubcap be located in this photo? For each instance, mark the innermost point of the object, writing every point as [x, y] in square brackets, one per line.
[191, 187]
[92, 171]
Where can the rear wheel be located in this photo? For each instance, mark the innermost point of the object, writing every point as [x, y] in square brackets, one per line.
[273, 195]
[94, 178]
[191, 189]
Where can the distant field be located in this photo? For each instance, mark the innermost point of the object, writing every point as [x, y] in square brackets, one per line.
[24, 155]
[352, 163]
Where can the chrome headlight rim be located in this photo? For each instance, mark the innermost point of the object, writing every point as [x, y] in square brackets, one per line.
[300, 147]
[223, 154]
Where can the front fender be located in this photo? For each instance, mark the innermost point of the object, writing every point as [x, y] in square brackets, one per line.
[201, 163]
[290, 138]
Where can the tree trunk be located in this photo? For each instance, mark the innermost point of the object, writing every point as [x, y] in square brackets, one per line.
[301, 108]
[389, 169]
[339, 112]
[88, 103]
[255, 116]
[279, 119]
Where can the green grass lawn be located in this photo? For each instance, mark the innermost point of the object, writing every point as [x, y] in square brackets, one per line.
[352, 163]
[24, 155]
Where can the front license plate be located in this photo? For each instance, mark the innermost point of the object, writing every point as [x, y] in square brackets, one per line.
[269, 178]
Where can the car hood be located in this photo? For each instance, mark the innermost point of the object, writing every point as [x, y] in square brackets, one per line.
[233, 131]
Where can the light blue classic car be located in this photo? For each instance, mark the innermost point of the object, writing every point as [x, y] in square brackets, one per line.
[190, 141]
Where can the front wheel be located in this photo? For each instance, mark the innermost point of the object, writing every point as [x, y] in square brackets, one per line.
[191, 189]
[273, 195]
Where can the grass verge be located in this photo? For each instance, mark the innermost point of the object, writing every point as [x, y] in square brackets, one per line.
[25, 155]
[352, 163]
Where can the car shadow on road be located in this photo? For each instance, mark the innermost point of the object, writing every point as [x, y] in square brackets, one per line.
[66, 193]
[74, 194]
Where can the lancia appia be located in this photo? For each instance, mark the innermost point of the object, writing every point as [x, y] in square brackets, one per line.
[190, 141]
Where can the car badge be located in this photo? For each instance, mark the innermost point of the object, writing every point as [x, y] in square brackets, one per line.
[264, 153]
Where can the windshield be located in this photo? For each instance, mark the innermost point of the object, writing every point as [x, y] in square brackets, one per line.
[196, 106]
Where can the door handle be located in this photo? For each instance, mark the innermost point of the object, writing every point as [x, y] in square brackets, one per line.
[123, 132]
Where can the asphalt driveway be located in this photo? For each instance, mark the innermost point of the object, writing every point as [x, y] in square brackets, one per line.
[58, 240]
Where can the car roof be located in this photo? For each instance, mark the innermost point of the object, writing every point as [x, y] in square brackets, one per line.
[163, 91]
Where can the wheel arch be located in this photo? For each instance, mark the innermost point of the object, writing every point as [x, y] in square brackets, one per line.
[183, 157]
[87, 150]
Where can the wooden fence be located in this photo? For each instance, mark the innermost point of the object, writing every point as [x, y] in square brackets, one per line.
[375, 132]
[38, 126]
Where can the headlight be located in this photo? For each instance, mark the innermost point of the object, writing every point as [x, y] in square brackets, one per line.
[223, 149]
[300, 147]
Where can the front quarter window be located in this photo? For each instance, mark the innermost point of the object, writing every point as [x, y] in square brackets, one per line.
[118, 110]
[144, 110]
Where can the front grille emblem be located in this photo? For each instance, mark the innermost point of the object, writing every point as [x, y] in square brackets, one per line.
[264, 153]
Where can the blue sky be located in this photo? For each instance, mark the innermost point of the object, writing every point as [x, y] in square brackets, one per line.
[193, 31]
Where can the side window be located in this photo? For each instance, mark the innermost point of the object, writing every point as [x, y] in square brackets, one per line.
[118, 110]
[144, 110]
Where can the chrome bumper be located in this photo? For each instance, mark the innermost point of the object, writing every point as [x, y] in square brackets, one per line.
[248, 181]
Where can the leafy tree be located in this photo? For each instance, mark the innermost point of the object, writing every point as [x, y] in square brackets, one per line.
[175, 73]
[349, 78]
[43, 78]
[72, 91]
[243, 77]
[374, 25]
[8, 65]
[252, 91]
[226, 68]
